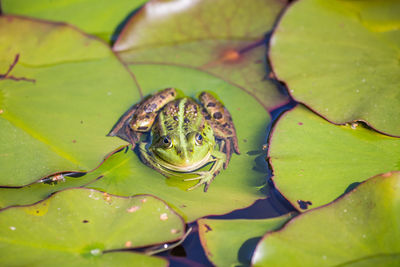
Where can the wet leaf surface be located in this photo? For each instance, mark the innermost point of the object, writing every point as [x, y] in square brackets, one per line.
[77, 226]
[97, 17]
[232, 242]
[314, 161]
[222, 38]
[359, 229]
[341, 58]
[60, 93]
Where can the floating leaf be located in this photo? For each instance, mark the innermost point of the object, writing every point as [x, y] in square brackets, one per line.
[98, 17]
[231, 242]
[341, 58]
[314, 161]
[124, 174]
[59, 100]
[224, 38]
[77, 226]
[361, 229]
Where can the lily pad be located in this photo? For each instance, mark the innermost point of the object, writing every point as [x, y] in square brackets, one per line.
[231, 242]
[236, 187]
[98, 17]
[78, 226]
[359, 229]
[220, 37]
[341, 58]
[60, 92]
[124, 174]
[314, 161]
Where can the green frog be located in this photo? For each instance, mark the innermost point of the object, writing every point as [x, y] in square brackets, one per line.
[185, 135]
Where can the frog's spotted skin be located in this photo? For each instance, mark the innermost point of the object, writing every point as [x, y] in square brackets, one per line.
[183, 135]
[221, 121]
[148, 109]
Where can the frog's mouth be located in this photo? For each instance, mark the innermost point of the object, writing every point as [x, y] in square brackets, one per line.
[188, 167]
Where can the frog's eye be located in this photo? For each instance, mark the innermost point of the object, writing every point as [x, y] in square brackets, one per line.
[167, 142]
[199, 139]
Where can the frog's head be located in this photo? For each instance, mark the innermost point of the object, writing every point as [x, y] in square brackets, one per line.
[183, 152]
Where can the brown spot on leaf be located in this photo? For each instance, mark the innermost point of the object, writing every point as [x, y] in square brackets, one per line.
[230, 55]
[85, 221]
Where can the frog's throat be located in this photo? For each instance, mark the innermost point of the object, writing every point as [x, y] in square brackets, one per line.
[188, 168]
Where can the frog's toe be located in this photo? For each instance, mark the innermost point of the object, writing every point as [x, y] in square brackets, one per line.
[194, 187]
[204, 178]
[192, 179]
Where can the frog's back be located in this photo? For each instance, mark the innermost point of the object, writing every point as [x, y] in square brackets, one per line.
[181, 115]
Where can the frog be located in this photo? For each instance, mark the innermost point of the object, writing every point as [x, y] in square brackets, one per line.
[185, 135]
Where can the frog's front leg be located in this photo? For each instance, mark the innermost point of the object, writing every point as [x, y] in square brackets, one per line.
[206, 177]
[140, 118]
[221, 122]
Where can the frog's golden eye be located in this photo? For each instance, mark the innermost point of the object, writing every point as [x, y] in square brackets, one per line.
[167, 142]
[198, 139]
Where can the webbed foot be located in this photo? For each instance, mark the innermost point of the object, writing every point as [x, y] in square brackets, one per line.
[205, 177]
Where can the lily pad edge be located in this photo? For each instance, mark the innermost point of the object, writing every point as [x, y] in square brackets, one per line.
[112, 195]
[301, 214]
[288, 91]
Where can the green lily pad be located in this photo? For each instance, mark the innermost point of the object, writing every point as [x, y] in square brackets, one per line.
[77, 226]
[314, 161]
[341, 58]
[229, 242]
[98, 17]
[236, 187]
[124, 174]
[359, 229]
[59, 100]
[219, 37]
